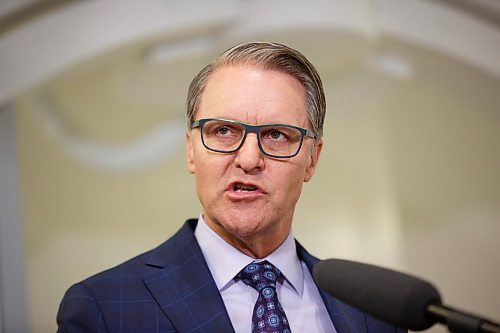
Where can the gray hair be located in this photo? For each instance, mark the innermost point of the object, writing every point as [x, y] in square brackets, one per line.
[268, 56]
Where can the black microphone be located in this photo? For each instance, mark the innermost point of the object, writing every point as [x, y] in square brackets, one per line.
[397, 298]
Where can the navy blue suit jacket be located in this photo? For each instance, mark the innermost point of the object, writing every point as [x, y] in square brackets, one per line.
[170, 289]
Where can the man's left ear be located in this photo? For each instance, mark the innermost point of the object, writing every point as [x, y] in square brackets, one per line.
[313, 160]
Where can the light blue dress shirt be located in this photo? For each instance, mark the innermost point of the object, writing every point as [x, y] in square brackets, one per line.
[298, 294]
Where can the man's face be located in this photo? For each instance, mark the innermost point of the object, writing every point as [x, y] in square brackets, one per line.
[249, 198]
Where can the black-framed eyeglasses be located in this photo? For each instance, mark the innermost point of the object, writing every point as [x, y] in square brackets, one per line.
[228, 136]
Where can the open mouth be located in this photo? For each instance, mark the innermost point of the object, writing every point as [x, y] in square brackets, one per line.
[239, 187]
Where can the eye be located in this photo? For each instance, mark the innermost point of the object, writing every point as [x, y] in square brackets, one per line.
[275, 134]
[280, 134]
[223, 130]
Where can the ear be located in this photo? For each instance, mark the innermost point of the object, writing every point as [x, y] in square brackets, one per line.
[313, 160]
[190, 152]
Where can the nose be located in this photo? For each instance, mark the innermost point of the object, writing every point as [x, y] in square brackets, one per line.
[249, 157]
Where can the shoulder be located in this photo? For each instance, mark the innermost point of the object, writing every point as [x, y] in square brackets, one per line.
[352, 319]
[147, 263]
[87, 300]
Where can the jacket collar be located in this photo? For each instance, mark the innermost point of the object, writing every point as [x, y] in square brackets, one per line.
[184, 287]
[345, 318]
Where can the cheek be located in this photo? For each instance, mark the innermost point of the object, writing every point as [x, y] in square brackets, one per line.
[204, 173]
[290, 182]
[205, 186]
[210, 169]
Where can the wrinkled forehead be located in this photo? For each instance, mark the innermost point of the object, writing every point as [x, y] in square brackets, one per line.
[253, 95]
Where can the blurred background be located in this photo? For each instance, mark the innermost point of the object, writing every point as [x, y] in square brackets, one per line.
[92, 159]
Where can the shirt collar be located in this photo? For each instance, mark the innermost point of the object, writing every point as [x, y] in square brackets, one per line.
[225, 261]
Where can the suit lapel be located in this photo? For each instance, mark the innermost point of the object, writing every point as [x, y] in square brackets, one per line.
[345, 318]
[184, 287]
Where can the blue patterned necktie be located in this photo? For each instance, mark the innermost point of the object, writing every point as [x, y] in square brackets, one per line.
[268, 315]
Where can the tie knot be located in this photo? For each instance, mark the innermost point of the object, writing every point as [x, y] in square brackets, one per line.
[260, 275]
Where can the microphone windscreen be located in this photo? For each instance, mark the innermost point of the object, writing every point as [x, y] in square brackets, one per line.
[394, 297]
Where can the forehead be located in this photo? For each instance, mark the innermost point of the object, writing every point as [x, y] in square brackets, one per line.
[255, 95]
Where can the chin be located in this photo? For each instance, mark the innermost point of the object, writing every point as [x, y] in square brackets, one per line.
[248, 224]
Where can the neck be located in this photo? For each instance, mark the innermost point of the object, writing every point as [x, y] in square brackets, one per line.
[258, 245]
[256, 249]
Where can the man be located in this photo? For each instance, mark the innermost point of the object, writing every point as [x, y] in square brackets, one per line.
[255, 119]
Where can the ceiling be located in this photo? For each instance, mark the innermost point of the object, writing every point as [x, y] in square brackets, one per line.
[15, 12]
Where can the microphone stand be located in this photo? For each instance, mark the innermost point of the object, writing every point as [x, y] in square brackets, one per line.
[461, 322]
